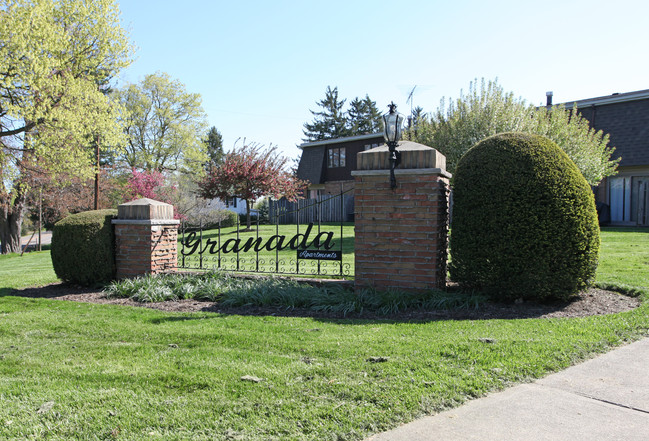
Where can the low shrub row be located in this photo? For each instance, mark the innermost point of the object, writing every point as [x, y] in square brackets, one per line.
[276, 292]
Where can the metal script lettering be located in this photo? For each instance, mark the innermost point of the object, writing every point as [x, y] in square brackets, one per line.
[323, 240]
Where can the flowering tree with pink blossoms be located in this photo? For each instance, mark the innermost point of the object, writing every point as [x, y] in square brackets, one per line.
[151, 184]
[249, 173]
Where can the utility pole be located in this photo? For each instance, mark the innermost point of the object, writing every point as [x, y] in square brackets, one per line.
[97, 173]
[40, 217]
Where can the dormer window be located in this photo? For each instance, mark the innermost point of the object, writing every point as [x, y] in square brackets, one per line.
[336, 157]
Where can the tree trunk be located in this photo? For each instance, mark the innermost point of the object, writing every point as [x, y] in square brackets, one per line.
[248, 220]
[11, 220]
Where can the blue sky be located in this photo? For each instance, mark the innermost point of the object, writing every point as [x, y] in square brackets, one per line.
[261, 65]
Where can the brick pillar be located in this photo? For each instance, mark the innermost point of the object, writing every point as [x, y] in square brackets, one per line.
[146, 235]
[402, 233]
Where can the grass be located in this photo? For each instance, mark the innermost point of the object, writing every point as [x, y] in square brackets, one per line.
[86, 371]
[624, 257]
[269, 259]
[30, 269]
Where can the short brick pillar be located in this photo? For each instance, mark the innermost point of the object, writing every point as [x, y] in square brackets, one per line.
[146, 235]
[402, 233]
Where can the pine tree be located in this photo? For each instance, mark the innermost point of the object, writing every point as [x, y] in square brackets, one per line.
[363, 117]
[214, 144]
[329, 123]
[416, 116]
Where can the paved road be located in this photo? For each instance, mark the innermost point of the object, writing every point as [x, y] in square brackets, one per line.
[46, 237]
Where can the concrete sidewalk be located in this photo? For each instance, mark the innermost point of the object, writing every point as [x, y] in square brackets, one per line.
[606, 398]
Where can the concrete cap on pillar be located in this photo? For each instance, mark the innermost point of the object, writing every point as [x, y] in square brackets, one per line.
[413, 156]
[145, 209]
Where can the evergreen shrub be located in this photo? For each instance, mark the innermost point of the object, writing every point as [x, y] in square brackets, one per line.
[83, 247]
[243, 218]
[229, 220]
[524, 221]
[211, 220]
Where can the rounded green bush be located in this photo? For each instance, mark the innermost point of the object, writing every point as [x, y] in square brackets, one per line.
[230, 219]
[524, 221]
[83, 247]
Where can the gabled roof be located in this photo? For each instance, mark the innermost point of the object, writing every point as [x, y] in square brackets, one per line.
[340, 140]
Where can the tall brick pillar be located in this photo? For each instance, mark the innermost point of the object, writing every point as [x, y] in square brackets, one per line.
[146, 235]
[401, 233]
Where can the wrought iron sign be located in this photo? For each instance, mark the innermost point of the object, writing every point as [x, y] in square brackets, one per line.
[317, 249]
[319, 255]
[323, 240]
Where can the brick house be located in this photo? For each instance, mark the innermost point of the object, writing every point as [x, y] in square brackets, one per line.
[625, 117]
[328, 164]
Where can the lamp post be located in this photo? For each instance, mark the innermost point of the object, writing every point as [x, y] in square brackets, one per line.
[392, 133]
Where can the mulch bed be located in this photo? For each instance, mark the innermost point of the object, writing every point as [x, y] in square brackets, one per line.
[592, 302]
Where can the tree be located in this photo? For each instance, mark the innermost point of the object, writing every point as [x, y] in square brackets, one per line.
[330, 122]
[489, 110]
[248, 173]
[416, 116]
[152, 185]
[64, 195]
[55, 59]
[214, 146]
[363, 117]
[163, 124]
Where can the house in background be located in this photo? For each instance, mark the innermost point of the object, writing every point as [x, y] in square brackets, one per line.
[328, 164]
[625, 117]
[624, 198]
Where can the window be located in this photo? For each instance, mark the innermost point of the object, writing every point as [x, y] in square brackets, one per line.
[620, 199]
[336, 157]
[231, 202]
[369, 146]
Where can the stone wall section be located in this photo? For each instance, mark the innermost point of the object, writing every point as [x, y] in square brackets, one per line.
[145, 245]
[143, 249]
[401, 234]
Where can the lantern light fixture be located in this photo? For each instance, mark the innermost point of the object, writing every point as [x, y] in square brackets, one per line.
[392, 123]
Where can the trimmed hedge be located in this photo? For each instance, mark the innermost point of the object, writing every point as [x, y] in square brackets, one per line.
[83, 247]
[229, 220]
[524, 220]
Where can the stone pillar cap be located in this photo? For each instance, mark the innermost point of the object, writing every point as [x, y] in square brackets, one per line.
[413, 156]
[145, 209]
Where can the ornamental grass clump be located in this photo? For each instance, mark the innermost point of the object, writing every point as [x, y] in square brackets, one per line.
[83, 248]
[524, 221]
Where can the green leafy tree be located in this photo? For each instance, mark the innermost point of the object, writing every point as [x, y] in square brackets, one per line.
[214, 146]
[330, 122]
[56, 57]
[363, 117]
[488, 110]
[163, 124]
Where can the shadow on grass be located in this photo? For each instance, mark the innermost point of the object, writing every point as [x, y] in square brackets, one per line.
[589, 304]
[593, 302]
[53, 291]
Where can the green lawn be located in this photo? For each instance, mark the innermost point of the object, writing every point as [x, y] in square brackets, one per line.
[30, 269]
[624, 257]
[84, 371]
